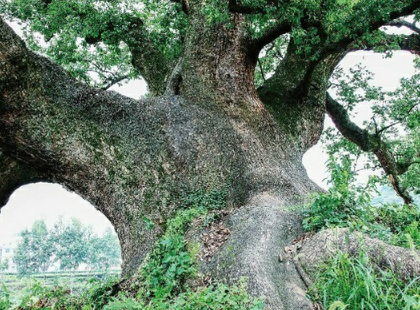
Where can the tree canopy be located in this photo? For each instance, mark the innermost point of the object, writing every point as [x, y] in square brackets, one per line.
[66, 246]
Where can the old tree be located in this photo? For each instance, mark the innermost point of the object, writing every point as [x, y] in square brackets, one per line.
[214, 121]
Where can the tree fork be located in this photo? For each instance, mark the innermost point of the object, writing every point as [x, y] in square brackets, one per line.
[369, 142]
[136, 160]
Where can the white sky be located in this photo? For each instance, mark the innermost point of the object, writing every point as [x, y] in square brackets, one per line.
[51, 201]
[388, 72]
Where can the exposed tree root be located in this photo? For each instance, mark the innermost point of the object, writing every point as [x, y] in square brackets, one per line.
[322, 246]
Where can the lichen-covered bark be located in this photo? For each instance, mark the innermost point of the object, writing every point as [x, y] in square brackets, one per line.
[296, 94]
[132, 160]
[136, 161]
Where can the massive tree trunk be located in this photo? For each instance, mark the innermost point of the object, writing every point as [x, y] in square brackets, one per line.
[137, 160]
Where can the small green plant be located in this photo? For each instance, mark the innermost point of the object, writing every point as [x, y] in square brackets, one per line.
[99, 293]
[42, 297]
[354, 283]
[5, 302]
[206, 199]
[342, 204]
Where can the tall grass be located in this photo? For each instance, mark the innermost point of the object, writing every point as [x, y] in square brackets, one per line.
[350, 283]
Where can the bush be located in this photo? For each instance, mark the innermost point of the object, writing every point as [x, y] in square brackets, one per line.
[346, 205]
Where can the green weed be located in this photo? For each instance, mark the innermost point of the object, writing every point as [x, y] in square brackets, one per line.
[354, 283]
[5, 302]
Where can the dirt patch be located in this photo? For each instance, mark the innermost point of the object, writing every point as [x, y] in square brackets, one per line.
[213, 239]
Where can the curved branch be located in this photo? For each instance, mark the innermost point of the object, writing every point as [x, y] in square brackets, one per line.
[372, 21]
[185, 5]
[271, 34]
[369, 143]
[410, 43]
[99, 144]
[403, 23]
[361, 137]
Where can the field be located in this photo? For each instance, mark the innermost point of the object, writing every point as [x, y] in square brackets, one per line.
[19, 287]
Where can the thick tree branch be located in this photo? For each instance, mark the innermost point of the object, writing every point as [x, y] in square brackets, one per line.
[410, 43]
[271, 34]
[362, 23]
[369, 143]
[283, 27]
[361, 137]
[403, 23]
[90, 141]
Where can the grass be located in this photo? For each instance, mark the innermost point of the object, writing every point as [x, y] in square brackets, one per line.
[356, 284]
[20, 287]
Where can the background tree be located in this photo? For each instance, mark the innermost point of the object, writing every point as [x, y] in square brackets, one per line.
[4, 265]
[71, 244]
[205, 128]
[68, 244]
[34, 251]
[104, 251]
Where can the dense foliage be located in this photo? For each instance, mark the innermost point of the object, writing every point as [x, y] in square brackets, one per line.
[103, 58]
[66, 246]
[356, 283]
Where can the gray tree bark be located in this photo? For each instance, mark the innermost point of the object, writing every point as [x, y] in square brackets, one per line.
[136, 160]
